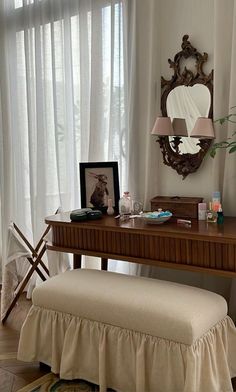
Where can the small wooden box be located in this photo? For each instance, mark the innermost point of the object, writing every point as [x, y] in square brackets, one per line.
[181, 207]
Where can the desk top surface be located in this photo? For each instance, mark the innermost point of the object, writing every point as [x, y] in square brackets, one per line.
[199, 229]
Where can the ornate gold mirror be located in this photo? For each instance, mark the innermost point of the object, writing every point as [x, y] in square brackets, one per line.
[187, 95]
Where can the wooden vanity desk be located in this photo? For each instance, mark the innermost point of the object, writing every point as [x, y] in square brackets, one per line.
[203, 247]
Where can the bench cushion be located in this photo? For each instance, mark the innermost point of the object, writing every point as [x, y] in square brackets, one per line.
[163, 309]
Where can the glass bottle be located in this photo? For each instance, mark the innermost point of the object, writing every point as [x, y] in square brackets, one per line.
[136, 207]
[125, 204]
[202, 209]
[216, 197]
[211, 215]
[220, 216]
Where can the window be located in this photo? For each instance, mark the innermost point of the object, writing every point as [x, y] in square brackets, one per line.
[68, 95]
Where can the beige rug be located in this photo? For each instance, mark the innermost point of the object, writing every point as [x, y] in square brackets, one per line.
[51, 383]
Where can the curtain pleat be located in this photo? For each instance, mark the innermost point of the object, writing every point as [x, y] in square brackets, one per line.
[62, 102]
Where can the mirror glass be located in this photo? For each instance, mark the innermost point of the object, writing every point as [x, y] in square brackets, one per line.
[187, 94]
[188, 102]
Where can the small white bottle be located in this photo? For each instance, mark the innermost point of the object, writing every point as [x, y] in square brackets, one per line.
[110, 209]
[125, 204]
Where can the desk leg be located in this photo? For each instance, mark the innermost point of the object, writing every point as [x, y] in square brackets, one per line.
[104, 263]
[77, 261]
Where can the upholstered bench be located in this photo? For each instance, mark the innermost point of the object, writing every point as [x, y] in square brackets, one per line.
[131, 334]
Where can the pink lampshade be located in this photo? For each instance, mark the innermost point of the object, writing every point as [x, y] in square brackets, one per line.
[179, 126]
[163, 127]
[203, 129]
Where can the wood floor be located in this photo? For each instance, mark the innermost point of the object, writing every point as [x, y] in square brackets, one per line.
[15, 374]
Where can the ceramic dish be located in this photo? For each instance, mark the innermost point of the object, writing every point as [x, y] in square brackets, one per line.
[156, 218]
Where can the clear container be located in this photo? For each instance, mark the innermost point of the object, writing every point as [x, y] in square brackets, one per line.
[211, 215]
[125, 204]
[202, 208]
[136, 207]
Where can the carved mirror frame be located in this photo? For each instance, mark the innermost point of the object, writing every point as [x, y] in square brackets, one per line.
[185, 163]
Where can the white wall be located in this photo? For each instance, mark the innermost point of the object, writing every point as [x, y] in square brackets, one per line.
[176, 18]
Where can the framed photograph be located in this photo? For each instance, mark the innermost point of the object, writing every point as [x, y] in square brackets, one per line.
[99, 181]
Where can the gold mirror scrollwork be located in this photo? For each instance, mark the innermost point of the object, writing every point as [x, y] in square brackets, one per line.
[186, 73]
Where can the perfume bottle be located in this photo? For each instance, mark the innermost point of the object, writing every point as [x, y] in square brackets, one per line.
[125, 204]
[220, 216]
[202, 208]
[136, 207]
[216, 197]
[211, 215]
[216, 201]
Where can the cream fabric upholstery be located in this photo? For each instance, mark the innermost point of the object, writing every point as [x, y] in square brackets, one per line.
[75, 326]
[175, 312]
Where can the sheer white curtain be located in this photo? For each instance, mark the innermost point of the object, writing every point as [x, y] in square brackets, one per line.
[63, 100]
[224, 98]
[143, 60]
[144, 97]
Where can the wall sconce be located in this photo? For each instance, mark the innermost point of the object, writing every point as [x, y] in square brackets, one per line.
[170, 136]
[179, 126]
[203, 129]
[177, 129]
[163, 127]
[180, 130]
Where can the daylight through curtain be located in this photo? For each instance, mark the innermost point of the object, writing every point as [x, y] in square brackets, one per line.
[63, 99]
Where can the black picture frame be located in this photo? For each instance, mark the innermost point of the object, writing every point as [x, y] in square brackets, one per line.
[99, 181]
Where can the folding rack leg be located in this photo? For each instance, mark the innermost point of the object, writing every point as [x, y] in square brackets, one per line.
[24, 282]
